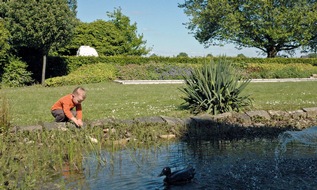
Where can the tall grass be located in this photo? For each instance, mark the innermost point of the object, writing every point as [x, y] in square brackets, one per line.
[29, 105]
[29, 160]
[4, 114]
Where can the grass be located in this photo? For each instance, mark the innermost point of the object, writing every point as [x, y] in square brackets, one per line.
[286, 96]
[29, 105]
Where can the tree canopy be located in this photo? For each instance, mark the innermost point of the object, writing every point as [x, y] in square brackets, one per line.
[182, 54]
[39, 25]
[268, 25]
[4, 39]
[114, 37]
[133, 42]
[101, 35]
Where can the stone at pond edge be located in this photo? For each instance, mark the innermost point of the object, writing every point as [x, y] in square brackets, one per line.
[154, 119]
[297, 119]
[172, 121]
[26, 128]
[298, 114]
[54, 126]
[279, 115]
[242, 118]
[168, 137]
[259, 113]
[310, 112]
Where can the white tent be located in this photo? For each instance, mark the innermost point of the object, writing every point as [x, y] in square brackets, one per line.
[87, 51]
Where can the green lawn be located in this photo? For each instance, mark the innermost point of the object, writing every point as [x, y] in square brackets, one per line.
[29, 105]
[284, 96]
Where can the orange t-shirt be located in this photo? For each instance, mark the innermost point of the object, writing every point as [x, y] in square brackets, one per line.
[66, 103]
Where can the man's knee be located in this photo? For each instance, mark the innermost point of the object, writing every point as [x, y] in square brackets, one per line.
[60, 118]
[59, 115]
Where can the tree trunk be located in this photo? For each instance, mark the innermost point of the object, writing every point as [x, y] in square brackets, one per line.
[43, 70]
[271, 52]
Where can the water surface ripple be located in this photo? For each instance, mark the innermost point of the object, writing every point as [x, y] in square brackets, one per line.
[237, 164]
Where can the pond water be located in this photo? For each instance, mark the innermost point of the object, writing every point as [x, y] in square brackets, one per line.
[287, 162]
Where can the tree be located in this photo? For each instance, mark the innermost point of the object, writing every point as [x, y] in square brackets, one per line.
[72, 4]
[270, 26]
[114, 37]
[39, 25]
[241, 55]
[133, 43]
[4, 41]
[4, 46]
[101, 35]
[182, 54]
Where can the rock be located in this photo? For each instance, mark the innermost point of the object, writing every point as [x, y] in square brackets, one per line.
[243, 119]
[298, 114]
[222, 116]
[279, 115]
[172, 121]
[93, 140]
[154, 119]
[310, 112]
[30, 128]
[168, 136]
[259, 114]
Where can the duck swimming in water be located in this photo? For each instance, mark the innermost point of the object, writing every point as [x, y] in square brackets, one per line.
[179, 176]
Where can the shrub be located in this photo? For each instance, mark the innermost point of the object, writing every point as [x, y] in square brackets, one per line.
[153, 71]
[292, 70]
[15, 74]
[215, 88]
[86, 74]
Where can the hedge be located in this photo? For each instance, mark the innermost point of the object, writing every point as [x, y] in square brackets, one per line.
[59, 66]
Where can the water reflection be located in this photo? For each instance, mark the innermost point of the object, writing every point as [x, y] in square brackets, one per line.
[239, 164]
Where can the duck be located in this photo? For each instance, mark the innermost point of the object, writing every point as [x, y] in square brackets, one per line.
[177, 177]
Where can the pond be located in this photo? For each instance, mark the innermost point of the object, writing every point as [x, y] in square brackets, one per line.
[287, 162]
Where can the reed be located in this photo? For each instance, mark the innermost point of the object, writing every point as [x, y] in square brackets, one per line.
[32, 158]
[4, 114]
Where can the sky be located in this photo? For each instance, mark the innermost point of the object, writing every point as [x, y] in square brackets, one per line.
[162, 24]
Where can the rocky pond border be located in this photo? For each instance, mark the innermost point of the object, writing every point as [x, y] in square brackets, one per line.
[229, 125]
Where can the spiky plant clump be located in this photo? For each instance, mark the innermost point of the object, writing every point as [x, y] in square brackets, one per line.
[215, 88]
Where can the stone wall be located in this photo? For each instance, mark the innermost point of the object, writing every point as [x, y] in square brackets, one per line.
[226, 125]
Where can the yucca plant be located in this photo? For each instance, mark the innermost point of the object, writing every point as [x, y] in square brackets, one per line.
[215, 88]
